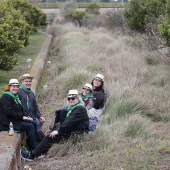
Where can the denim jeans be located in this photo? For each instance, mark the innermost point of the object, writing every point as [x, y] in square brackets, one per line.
[30, 132]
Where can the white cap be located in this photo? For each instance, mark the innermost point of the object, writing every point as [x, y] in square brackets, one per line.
[72, 93]
[13, 82]
[99, 76]
[88, 86]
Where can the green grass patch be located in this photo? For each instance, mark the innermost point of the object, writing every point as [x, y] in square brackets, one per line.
[31, 51]
[125, 107]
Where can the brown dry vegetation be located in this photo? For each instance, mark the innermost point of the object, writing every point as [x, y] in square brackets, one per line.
[135, 125]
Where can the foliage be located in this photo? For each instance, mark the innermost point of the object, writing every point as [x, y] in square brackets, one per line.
[77, 16]
[34, 16]
[93, 9]
[114, 19]
[14, 34]
[67, 7]
[17, 19]
[164, 28]
[140, 12]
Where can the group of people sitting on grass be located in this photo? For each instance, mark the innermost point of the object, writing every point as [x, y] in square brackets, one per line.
[19, 106]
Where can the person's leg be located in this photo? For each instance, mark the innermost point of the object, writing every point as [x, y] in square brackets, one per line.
[63, 115]
[34, 122]
[39, 124]
[57, 117]
[46, 144]
[30, 131]
[60, 116]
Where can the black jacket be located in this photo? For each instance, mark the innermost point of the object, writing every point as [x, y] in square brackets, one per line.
[33, 110]
[10, 111]
[99, 96]
[77, 121]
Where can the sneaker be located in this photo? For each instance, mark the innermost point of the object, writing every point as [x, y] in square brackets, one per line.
[26, 155]
[25, 148]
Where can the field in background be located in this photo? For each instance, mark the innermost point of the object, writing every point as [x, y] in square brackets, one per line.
[30, 52]
[135, 125]
[82, 4]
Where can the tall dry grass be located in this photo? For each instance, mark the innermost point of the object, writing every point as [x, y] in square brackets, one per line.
[128, 138]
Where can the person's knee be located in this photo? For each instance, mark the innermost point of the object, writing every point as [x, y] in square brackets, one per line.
[31, 127]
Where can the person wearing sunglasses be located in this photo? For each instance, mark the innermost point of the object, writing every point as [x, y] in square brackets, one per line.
[86, 97]
[99, 95]
[76, 122]
[11, 110]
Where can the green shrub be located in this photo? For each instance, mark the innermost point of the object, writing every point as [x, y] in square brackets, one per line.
[93, 9]
[139, 13]
[14, 34]
[34, 16]
[76, 16]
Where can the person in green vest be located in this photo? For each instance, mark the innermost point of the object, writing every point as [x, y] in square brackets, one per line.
[76, 122]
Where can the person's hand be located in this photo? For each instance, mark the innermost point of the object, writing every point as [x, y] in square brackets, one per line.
[27, 118]
[41, 119]
[53, 133]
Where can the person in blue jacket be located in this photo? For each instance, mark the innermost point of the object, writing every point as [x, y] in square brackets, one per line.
[29, 102]
[76, 122]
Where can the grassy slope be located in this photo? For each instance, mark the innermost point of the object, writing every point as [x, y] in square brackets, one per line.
[130, 135]
[31, 51]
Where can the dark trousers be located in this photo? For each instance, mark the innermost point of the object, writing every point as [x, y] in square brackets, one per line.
[31, 134]
[47, 142]
[60, 116]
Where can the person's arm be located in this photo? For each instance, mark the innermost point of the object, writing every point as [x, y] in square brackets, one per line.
[99, 99]
[90, 103]
[35, 108]
[10, 107]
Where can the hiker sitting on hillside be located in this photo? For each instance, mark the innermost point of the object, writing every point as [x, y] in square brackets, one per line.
[76, 122]
[29, 102]
[86, 97]
[99, 95]
[11, 110]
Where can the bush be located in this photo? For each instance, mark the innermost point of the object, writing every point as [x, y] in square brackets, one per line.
[139, 13]
[14, 34]
[76, 17]
[114, 20]
[93, 9]
[67, 8]
[34, 16]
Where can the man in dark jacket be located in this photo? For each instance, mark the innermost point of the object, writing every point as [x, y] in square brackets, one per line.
[28, 100]
[77, 121]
